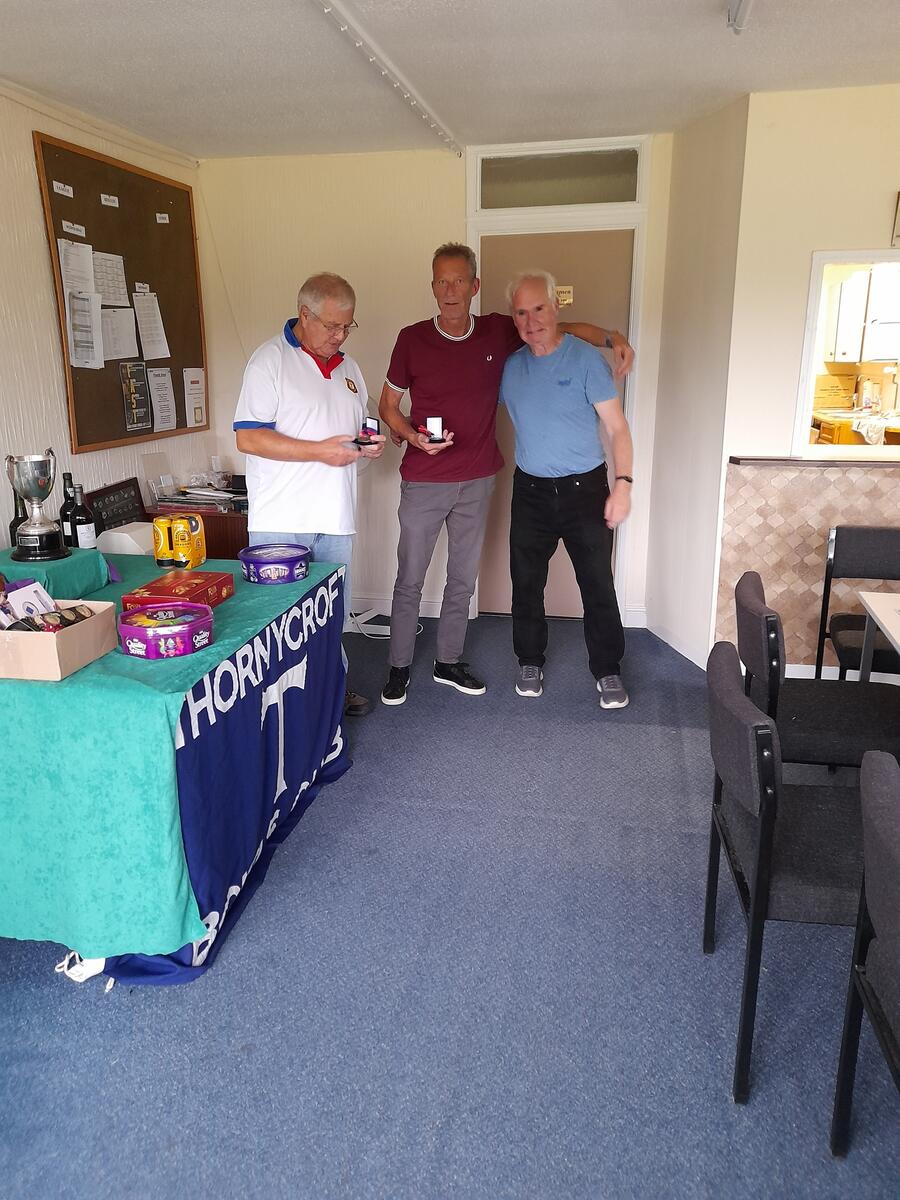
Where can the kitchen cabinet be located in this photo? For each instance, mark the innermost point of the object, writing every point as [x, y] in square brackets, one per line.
[852, 298]
[881, 337]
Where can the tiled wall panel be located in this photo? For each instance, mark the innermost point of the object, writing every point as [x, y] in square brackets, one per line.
[776, 521]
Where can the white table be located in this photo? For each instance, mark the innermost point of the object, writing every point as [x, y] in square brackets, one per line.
[882, 612]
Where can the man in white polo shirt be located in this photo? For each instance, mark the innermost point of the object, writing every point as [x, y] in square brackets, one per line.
[301, 405]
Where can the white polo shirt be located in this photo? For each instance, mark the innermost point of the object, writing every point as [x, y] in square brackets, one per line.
[286, 389]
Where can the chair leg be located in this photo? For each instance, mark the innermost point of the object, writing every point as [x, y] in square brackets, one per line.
[846, 1073]
[712, 887]
[756, 926]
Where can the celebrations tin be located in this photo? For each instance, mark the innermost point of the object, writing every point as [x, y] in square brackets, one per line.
[275, 562]
[165, 630]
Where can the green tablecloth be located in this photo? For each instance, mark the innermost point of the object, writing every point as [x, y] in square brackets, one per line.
[91, 853]
[69, 578]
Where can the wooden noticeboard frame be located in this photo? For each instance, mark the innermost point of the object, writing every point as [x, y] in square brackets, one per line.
[148, 220]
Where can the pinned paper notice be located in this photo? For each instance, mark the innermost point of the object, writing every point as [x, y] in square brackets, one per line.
[76, 266]
[135, 392]
[162, 395]
[194, 396]
[162, 218]
[150, 325]
[71, 227]
[109, 279]
[62, 189]
[84, 329]
[119, 338]
[109, 201]
[142, 287]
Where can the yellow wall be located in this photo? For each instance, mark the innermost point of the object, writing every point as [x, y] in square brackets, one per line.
[707, 164]
[374, 218]
[821, 173]
[756, 189]
[33, 411]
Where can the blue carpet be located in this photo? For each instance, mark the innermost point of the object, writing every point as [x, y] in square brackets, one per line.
[473, 971]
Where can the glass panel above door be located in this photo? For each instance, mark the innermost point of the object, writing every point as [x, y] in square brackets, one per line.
[537, 180]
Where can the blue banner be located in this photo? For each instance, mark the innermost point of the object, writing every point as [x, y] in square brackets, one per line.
[257, 737]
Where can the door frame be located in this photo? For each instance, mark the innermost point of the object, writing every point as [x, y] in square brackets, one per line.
[569, 218]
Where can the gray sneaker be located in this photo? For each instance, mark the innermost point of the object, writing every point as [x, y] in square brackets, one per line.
[612, 691]
[528, 681]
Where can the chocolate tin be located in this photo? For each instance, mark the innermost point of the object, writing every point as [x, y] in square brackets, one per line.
[276, 562]
[165, 630]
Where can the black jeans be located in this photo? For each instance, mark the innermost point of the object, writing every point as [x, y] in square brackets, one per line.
[571, 508]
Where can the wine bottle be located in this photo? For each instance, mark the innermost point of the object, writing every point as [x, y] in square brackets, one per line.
[21, 515]
[66, 508]
[84, 533]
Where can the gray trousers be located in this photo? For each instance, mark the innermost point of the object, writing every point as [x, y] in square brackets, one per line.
[424, 508]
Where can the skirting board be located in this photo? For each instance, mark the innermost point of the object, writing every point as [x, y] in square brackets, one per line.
[634, 617]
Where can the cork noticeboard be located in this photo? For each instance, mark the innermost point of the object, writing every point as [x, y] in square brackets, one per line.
[124, 251]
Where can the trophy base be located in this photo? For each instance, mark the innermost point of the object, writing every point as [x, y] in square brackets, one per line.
[40, 547]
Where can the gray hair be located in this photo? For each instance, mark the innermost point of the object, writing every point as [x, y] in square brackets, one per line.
[325, 286]
[456, 250]
[538, 276]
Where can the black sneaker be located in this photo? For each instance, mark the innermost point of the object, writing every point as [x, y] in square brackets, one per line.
[395, 688]
[459, 676]
[355, 705]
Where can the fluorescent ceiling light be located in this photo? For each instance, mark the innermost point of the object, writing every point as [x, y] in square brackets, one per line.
[382, 65]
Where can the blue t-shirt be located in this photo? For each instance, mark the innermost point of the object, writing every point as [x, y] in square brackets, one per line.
[551, 399]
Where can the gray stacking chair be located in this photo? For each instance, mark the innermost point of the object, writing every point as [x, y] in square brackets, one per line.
[795, 852]
[875, 966]
[832, 721]
[857, 552]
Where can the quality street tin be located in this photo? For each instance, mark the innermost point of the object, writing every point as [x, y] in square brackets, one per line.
[165, 630]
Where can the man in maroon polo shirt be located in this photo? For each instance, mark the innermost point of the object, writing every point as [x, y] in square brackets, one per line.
[451, 365]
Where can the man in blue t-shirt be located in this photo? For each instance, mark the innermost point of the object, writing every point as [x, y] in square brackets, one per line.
[555, 388]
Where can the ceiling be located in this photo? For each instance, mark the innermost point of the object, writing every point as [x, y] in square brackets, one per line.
[216, 78]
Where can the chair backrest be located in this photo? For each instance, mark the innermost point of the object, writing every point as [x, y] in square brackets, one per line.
[856, 552]
[866, 552]
[760, 638]
[880, 795]
[743, 740]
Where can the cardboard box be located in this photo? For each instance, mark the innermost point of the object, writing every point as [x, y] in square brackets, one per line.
[834, 391]
[199, 587]
[56, 655]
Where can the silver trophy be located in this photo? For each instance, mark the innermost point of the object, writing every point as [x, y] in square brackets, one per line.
[37, 538]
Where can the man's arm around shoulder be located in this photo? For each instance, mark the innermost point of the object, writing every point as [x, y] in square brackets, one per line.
[604, 339]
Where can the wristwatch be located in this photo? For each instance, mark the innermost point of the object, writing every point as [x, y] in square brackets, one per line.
[627, 478]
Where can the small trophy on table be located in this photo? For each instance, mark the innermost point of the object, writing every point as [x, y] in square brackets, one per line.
[38, 539]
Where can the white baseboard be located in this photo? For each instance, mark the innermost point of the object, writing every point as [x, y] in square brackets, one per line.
[635, 617]
[382, 604]
[807, 671]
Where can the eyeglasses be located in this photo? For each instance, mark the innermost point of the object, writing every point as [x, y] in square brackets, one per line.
[333, 329]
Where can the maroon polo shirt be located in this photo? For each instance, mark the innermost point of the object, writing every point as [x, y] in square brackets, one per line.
[456, 379]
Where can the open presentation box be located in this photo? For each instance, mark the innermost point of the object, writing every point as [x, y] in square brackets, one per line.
[55, 655]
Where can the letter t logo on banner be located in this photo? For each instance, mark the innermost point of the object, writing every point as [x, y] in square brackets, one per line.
[293, 677]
